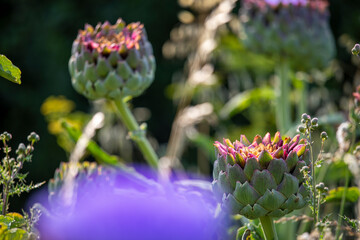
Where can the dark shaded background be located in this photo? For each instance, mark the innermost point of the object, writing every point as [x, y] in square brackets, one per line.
[37, 36]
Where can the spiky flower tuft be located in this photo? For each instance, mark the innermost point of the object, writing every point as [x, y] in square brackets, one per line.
[112, 61]
[261, 178]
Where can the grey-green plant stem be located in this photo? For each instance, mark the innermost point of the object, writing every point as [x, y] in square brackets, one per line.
[342, 205]
[268, 227]
[141, 140]
[283, 107]
[315, 210]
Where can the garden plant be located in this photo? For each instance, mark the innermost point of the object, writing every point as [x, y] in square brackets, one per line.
[250, 69]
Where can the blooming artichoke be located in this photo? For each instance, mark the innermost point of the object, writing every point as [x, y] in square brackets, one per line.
[262, 178]
[112, 61]
[295, 30]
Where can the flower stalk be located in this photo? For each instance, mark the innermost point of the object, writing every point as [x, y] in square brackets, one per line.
[283, 107]
[138, 134]
[268, 227]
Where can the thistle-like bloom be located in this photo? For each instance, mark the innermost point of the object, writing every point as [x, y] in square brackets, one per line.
[293, 30]
[261, 178]
[112, 61]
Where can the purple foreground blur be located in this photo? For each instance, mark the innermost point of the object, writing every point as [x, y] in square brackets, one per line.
[128, 212]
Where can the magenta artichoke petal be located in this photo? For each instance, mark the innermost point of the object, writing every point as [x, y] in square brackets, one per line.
[291, 160]
[245, 193]
[240, 159]
[264, 159]
[262, 181]
[277, 138]
[267, 139]
[300, 149]
[294, 142]
[244, 140]
[228, 143]
[257, 140]
[279, 153]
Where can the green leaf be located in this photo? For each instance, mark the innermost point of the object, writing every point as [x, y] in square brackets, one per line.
[244, 100]
[15, 234]
[9, 71]
[335, 195]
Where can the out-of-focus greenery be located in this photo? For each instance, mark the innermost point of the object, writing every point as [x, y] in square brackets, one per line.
[37, 36]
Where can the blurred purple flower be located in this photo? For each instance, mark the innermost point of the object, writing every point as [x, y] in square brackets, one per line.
[183, 210]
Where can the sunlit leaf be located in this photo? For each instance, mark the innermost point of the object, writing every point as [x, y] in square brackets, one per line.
[244, 100]
[9, 71]
[335, 195]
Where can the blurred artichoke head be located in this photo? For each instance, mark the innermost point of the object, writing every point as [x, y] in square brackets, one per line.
[112, 61]
[296, 31]
[261, 178]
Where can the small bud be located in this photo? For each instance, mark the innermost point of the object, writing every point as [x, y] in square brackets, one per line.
[5, 136]
[301, 129]
[304, 169]
[21, 149]
[305, 116]
[320, 186]
[356, 49]
[33, 137]
[323, 136]
[314, 121]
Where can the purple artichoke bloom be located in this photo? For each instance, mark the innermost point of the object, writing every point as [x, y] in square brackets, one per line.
[132, 211]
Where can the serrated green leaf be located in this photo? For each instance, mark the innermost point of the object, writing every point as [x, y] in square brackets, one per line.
[9, 71]
[335, 195]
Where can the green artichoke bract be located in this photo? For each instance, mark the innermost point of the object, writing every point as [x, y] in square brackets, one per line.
[112, 61]
[297, 31]
[261, 178]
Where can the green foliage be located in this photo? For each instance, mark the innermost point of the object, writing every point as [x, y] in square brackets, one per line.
[335, 195]
[12, 181]
[9, 71]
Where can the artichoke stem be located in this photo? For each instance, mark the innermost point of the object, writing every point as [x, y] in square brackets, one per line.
[268, 227]
[131, 124]
[303, 99]
[282, 89]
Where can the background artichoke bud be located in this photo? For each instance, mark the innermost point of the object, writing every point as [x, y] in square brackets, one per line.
[296, 31]
[112, 61]
[262, 178]
[88, 173]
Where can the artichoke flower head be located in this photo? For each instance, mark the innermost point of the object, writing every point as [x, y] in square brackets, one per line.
[112, 61]
[296, 31]
[261, 178]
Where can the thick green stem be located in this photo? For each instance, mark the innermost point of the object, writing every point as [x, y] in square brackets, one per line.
[342, 206]
[282, 89]
[131, 124]
[268, 228]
